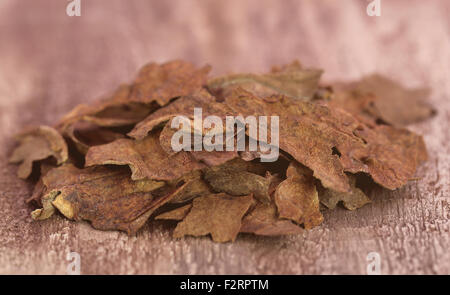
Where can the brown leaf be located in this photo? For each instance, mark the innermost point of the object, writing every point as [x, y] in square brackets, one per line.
[40, 189]
[85, 135]
[394, 154]
[297, 199]
[352, 200]
[161, 83]
[263, 220]
[194, 186]
[291, 80]
[112, 111]
[331, 141]
[184, 106]
[129, 104]
[38, 144]
[214, 158]
[219, 215]
[108, 198]
[210, 158]
[384, 99]
[145, 157]
[234, 179]
[175, 214]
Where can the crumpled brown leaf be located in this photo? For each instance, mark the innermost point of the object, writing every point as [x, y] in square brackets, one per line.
[210, 158]
[39, 188]
[297, 199]
[355, 199]
[38, 144]
[219, 215]
[112, 111]
[291, 80]
[145, 158]
[394, 154]
[194, 186]
[85, 135]
[92, 194]
[331, 142]
[384, 99]
[161, 83]
[262, 220]
[175, 214]
[183, 106]
[234, 178]
[129, 104]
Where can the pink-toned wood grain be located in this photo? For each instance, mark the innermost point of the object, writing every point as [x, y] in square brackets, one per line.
[50, 62]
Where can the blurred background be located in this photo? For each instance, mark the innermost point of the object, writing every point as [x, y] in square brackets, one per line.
[50, 62]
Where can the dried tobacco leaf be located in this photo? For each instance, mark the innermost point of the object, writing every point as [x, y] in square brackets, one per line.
[394, 154]
[112, 111]
[184, 106]
[234, 179]
[145, 158]
[351, 201]
[331, 142]
[85, 135]
[214, 158]
[39, 188]
[194, 186]
[161, 83]
[120, 115]
[297, 199]
[210, 158]
[165, 139]
[129, 104]
[383, 99]
[291, 80]
[263, 220]
[219, 215]
[108, 198]
[175, 214]
[38, 144]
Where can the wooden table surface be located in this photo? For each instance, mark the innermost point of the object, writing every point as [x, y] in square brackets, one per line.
[49, 62]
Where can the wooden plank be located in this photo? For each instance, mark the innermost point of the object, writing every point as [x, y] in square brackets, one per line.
[50, 62]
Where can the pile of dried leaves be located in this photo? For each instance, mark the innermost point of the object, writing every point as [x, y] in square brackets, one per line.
[111, 162]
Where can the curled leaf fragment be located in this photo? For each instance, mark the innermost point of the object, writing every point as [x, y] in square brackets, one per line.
[383, 99]
[163, 82]
[219, 215]
[145, 157]
[183, 106]
[175, 214]
[351, 201]
[194, 186]
[292, 81]
[262, 220]
[297, 199]
[234, 179]
[38, 144]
